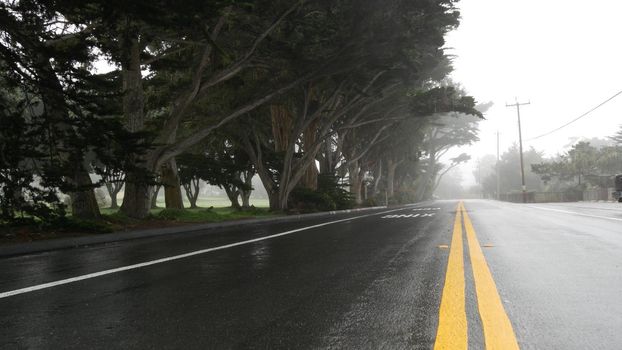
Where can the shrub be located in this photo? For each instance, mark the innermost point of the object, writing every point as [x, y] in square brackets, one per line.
[86, 226]
[170, 214]
[403, 197]
[329, 184]
[306, 200]
[370, 202]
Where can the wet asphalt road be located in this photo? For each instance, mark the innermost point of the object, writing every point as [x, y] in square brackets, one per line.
[374, 281]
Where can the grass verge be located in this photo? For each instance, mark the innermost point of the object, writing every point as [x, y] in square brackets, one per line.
[114, 220]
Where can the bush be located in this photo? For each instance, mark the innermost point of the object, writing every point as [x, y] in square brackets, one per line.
[370, 202]
[306, 200]
[329, 184]
[86, 226]
[170, 214]
[120, 218]
[403, 197]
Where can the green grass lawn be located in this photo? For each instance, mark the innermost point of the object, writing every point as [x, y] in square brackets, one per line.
[210, 209]
[204, 202]
[211, 215]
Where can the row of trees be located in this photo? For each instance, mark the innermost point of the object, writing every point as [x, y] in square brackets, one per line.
[485, 172]
[290, 91]
[586, 163]
[582, 166]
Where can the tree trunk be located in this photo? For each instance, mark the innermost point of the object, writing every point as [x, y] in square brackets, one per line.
[425, 192]
[246, 194]
[192, 192]
[282, 124]
[196, 183]
[133, 94]
[137, 199]
[309, 179]
[327, 164]
[391, 166]
[289, 180]
[255, 154]
[83, 202]
[283, 196]
[233, 195]
[246, 199]
[172, 187]
[113, 200]
[154, 197]
[377, 177]
[356, 181]
[273, 199]
[113, 189]
[253, 150]
[193, 202]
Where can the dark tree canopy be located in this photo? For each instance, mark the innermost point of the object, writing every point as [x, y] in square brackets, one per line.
[312, 96]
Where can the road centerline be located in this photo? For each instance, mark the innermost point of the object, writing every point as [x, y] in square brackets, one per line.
[452, 324]
[498, 332]
[37, 287]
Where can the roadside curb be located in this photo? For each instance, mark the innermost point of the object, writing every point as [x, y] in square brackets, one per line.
[73, 242]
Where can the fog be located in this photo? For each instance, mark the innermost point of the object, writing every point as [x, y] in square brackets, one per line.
[562, 56]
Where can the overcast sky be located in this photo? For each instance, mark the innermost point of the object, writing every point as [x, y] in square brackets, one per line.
[564, 57]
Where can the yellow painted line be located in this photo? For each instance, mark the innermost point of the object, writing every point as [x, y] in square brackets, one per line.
[498, 332]
[452, 322]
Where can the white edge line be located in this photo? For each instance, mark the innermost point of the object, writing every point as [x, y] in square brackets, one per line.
[171, 258]
[575, 213]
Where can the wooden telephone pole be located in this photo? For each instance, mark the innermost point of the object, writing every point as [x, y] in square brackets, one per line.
[497, 172]
[520, 146]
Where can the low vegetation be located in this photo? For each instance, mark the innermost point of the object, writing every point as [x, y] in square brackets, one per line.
[29, 229]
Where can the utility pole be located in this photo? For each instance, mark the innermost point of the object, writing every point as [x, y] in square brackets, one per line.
[520, 145]
[479, 178]
[498, 183]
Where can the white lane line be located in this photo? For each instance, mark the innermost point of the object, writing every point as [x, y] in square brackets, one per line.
[172, 258]
[575, 213]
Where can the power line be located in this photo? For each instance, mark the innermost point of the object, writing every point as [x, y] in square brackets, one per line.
[577, 118]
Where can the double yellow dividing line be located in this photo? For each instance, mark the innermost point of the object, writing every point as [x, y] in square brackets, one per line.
[452, 330]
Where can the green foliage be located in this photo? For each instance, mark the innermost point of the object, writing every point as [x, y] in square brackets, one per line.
[209, 215]
[308, 201]
[329, 184]
[69, 224]
[25, 191]
[509, 171]
[617, 137]
[371, 202]
[442, 100]
[170, 214]
[119, 218]
[373, 67]
[582, 166]
[406, 196]
[330, 195]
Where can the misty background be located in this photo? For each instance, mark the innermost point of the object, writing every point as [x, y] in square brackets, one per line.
[560, 56]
